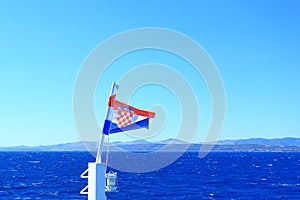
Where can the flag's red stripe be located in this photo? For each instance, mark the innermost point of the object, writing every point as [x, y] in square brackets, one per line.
[144, 113]
[111, 100]
[135, 110]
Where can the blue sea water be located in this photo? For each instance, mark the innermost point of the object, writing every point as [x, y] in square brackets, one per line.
[56, 175]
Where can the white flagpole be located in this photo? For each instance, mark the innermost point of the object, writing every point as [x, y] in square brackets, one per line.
[98, 156]
[97, 170]
[107, 117]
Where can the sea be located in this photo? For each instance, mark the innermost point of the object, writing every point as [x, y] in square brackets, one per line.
[56, 175]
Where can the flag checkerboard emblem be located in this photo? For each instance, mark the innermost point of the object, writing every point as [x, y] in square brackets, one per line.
[124, 118]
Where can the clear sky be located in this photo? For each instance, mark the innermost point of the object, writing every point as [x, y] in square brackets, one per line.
[255, 44]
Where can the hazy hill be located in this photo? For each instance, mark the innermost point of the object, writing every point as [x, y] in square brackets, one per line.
[253, 144]
[289, 141]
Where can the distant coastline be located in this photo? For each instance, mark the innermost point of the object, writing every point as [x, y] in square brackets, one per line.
[288, 144]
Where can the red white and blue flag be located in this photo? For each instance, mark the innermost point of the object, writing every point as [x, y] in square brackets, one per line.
[122, 117]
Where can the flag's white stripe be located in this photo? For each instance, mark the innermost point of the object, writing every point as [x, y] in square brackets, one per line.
[109, 115]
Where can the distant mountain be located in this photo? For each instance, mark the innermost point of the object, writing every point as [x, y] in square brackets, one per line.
[289, 141]
[74, 146]
[173, 141]
[244, 145]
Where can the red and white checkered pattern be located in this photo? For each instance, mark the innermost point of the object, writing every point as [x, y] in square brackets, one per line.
[124, 118]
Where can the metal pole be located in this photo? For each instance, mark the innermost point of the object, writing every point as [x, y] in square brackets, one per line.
[98, 157]
[108, 116]
[97, 170]
[107, 149]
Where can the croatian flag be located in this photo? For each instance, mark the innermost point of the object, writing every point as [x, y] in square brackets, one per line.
[122, 117]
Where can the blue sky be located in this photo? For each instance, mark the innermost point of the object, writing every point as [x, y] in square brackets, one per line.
[255, 45]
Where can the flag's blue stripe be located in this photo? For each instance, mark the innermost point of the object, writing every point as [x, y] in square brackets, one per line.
[137, 125]
[106, 127]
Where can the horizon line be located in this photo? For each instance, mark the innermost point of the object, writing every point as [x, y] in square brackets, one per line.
[193, 142]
